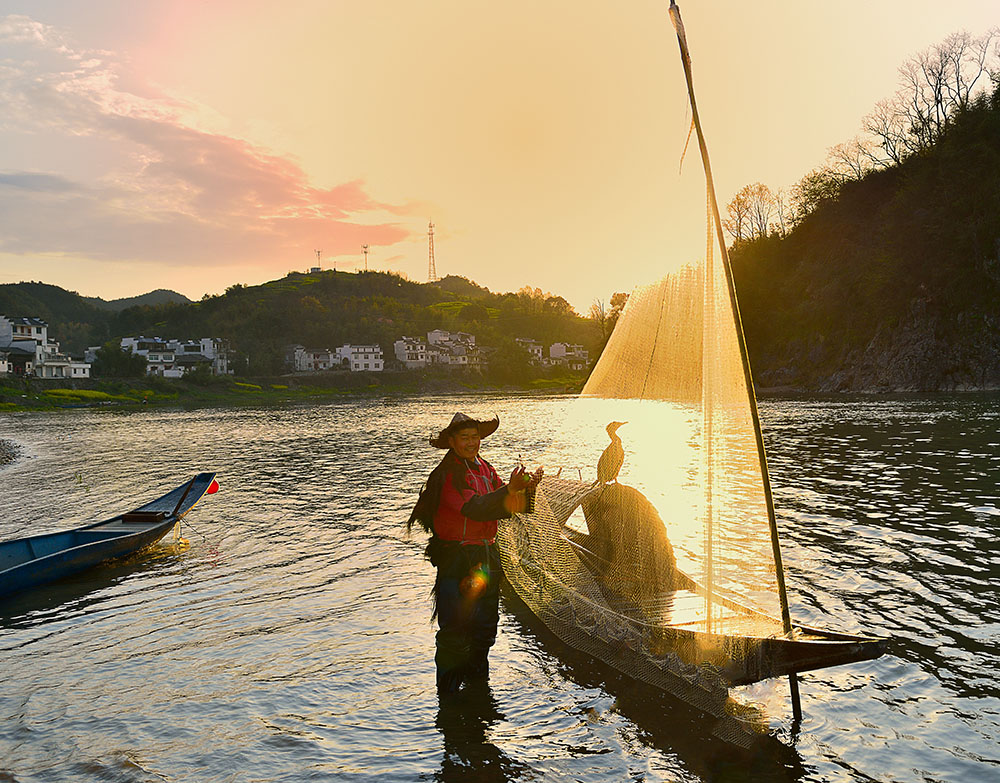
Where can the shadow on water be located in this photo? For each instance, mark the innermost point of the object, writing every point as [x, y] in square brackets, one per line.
[77, 592]
[671, 725]
[464, 720]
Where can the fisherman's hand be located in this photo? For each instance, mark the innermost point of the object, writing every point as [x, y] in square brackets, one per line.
[520, 479]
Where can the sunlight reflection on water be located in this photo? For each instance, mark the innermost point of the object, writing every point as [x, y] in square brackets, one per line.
[292, 638]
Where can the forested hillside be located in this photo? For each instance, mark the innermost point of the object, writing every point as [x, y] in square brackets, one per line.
[318, 310]
[890, 278]
[73, 321]
[159, 296]
[328, 309]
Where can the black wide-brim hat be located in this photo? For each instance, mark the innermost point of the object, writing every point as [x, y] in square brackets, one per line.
[459, 422]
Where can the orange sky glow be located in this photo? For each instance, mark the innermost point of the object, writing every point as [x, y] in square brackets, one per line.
[191, 145]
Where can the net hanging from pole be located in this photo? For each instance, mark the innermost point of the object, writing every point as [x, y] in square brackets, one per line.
[643, 572]
[666, 570]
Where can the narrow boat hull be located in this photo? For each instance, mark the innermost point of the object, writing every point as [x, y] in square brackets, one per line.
[36, 560]
[744, 644]
[676, 635]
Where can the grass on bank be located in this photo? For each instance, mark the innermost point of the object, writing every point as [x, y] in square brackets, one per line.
[84, 395]
[19, 394]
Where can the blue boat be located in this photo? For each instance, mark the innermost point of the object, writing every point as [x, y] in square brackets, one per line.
[28, 562]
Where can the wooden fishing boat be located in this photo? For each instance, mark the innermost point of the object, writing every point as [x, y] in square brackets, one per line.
[744, 644]
[670, 631]
[676, 367]
[28, 562]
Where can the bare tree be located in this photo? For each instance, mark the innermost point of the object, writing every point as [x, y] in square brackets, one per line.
[943, 80]
[737, 222]
[888, 125]
[750, 212]
[782, 211]
[969, 65]
[599, 315]
[761, 210]
[852, 159]
[934, 85]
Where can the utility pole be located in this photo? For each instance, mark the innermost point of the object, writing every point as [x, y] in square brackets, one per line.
[431, 266]
[365, 249]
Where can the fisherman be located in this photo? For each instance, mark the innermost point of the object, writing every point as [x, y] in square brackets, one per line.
[459, 506]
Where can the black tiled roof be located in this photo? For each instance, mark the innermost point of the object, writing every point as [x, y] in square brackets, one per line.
[25, 320]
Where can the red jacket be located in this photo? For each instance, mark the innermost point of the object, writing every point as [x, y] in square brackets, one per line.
[470, 514]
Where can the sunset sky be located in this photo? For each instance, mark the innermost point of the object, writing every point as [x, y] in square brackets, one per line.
[190, 145]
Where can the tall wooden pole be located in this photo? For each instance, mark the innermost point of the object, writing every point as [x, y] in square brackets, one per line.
[675, 16]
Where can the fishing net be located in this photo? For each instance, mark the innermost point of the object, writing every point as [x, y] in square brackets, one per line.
[663, 568]
[666, 571]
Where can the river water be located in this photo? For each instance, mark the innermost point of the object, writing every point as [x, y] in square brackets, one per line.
[291, 640]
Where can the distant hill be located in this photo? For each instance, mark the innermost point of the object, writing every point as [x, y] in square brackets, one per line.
[73, 321]
[318, 310]
[157, 297]
[328, 309]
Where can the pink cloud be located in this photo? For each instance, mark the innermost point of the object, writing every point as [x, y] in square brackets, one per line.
[174, 193]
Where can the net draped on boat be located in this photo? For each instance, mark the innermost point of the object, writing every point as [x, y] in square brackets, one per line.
[665, 570]
[644, 571]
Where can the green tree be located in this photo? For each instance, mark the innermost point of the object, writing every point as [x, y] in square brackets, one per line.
[558, 306]
[474, 313]
[112, 361]
[510, 363]
[618, 300]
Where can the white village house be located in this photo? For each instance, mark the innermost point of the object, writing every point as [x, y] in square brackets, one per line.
[356, 358]
[411, 351]
[295, 358]
[298, 358]
[532, 346]
[28, 350]
[319, 359]
[173, 358]
[576, 357]
[441, 349]
[453, 349]
[361, 358]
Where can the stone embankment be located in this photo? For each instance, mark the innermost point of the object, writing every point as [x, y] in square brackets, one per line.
[924, 353]
[8, 452]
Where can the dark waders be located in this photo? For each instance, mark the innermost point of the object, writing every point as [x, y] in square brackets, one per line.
[468, 594]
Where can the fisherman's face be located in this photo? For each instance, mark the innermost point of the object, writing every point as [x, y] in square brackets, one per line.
[465, 442]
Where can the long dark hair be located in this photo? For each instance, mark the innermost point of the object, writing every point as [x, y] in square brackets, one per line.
[430, 494]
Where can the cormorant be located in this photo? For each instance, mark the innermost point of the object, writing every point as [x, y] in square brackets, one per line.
[614, 455]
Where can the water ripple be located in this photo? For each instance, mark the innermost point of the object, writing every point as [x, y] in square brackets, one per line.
[292, 641]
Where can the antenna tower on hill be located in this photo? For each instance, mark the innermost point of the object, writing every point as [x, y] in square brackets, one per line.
[365, 248]
[431, 267]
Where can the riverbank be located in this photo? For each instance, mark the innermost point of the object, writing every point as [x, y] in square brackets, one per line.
[25, 394]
